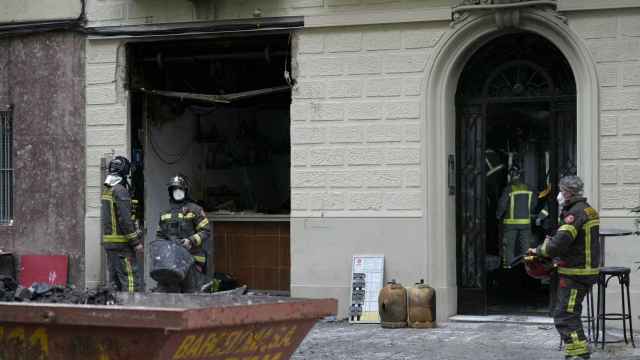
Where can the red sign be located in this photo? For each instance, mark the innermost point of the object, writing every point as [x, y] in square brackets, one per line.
[49, 269]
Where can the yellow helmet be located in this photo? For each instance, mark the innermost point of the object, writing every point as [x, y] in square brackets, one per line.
[545, 192]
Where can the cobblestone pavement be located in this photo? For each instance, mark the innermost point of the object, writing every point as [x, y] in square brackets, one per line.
[450, 341]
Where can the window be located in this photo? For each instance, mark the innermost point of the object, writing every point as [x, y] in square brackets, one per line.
[6, 166]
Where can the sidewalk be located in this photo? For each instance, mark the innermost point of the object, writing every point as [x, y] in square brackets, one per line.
[450, 341]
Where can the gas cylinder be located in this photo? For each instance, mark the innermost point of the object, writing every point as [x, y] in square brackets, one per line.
[392, 305]
[421, 304]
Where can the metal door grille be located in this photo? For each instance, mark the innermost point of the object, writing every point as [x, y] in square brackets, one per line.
[6, 166]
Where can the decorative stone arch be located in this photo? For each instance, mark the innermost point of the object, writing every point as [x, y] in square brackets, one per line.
[455, 49]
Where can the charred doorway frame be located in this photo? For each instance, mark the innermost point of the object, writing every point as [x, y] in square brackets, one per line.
[449, 59]
[117, 38]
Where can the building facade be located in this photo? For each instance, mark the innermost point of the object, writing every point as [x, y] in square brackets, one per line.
[381, 126]
[42, 102]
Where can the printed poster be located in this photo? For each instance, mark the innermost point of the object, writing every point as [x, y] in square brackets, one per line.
[367, 279]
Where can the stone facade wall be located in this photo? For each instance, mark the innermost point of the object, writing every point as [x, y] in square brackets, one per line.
[357, 120]
[613, 38]
[614, 41]
[106, 132]
[130, 12]
[33, 10]
[358, 133]
[42, 77]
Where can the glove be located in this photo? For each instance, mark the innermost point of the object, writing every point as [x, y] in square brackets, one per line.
[538, 222]
[186, 243]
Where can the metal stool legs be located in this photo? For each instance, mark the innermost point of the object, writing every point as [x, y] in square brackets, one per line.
[590, 318]
[603, 281]
[625, 279]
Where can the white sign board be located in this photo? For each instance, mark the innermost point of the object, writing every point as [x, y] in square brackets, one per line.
[367, 279]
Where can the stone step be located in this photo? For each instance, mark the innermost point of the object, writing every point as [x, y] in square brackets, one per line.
[507, 319]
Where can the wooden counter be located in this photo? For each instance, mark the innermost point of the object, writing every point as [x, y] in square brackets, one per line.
[254, 250]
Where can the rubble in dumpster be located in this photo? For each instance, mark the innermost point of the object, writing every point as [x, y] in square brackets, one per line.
[44, 293]
[8, 288]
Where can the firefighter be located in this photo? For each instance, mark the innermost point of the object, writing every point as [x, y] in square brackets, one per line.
[543, 220]
[121, 238]
[186, 223]
[576, 250]
[515, 207]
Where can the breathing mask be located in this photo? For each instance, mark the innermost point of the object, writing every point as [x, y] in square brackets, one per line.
[112, 180]
[178, 194]
[560, 199]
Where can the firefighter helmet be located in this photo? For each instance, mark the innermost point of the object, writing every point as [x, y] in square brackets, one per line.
[537, 267]
[119, 166]
[545, 192]
[178, 182]
[515, 171]
[571, 184]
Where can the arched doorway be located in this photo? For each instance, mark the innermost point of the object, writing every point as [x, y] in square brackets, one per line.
[515, 104]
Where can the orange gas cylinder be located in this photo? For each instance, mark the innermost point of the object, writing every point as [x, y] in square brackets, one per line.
[392, 305]
[421, 304]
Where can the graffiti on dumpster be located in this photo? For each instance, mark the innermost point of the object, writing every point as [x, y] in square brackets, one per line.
[30, 343]
[269, 343]
[94, 347]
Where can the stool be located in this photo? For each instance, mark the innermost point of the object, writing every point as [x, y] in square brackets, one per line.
[606, 274]
[590, 318]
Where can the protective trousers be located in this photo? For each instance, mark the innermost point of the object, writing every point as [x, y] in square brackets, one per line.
[516, 239]
[567, 316]
[123, 270]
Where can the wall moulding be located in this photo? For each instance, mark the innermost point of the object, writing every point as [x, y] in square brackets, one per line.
[448, 62]
[581, 5]
[507, 13]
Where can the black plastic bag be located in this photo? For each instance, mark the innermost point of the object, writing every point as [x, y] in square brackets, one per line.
[170, 262]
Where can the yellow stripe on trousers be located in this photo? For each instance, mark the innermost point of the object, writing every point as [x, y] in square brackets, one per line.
[576, 347]
[572, 300]
[130, 280]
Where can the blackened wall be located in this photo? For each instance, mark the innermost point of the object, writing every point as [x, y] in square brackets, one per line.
[42, 76]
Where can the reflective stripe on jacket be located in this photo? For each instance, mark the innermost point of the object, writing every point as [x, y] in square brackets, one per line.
[186, 221]
[118, 228]
[576, 241]
[516, 205]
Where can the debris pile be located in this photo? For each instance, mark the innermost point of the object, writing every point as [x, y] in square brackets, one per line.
[44, 293]
[8, 288]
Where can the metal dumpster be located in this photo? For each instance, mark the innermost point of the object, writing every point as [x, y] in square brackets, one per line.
[161, 326]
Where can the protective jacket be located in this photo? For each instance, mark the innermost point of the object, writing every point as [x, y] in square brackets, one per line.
[186, 220]
[516, 205]
[576, 252]
[576, 244]
[118, 227]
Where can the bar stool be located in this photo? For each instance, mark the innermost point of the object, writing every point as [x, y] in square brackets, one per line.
[590, 317]
[606, 274]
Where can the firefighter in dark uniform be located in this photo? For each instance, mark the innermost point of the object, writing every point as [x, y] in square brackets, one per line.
[186, 223]
[515, 207]
[543, 220]
[121, 238]
[575, 249]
